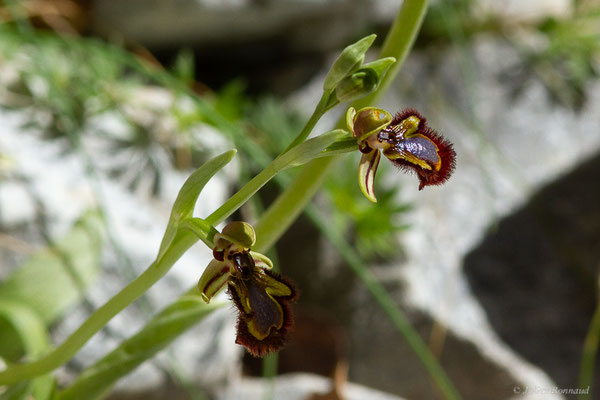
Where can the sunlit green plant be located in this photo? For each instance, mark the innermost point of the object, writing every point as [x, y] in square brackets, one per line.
[237, 250]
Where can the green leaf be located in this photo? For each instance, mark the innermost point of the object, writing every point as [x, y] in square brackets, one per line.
[158, 334]
[184, 66]
[349, 61]
[310, 149]
[341, 146]
[30, 330]
[188, 195]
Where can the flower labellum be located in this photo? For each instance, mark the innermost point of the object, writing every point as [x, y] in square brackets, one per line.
[262, 297]
[406, 140]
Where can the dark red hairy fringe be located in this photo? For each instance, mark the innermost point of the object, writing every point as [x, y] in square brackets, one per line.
[407, 112]
[447, 157]
[278, 337]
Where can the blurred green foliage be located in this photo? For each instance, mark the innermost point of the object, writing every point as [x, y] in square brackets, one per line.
[69, 81]
[562, 52]
[370, 226]
[42, 290]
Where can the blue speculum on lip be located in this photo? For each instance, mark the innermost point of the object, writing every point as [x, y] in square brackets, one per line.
[420, 147]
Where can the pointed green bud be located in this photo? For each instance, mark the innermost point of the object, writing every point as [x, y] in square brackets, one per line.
[349, 61]
[238, 232]
[357, 85]
[378, 67]
[363, 81]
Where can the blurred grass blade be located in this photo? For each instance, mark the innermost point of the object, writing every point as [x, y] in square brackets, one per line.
[157, 334]
[387, 304]
[53, 280]
[590, 354]
[39, 292]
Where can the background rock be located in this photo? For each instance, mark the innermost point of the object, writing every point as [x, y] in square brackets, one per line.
[536, 273]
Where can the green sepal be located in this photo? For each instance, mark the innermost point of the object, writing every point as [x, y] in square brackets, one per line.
[238, 232]
[349, 61]
[366, 173]
[213, 279]
[369, 121]
[350, 114]
[261, 260]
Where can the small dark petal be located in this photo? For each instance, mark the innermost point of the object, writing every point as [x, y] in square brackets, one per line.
[218, 255]
[364, 148]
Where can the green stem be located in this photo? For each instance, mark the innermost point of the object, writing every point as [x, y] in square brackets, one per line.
[590, 351]
[300, 154]
[63, 353]
[239, 198]
[280, 215]
[397, 44]
[320, 109]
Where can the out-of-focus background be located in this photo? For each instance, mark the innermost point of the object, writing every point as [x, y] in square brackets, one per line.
[107, 106]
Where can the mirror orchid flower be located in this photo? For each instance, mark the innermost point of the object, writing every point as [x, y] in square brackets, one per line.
[263, 297]
[404, 139]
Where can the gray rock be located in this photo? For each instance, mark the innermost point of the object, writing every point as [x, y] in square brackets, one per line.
[536, 273]
[297, 387]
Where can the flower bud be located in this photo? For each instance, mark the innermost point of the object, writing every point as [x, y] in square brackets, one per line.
[349, 61]
[356, 85]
